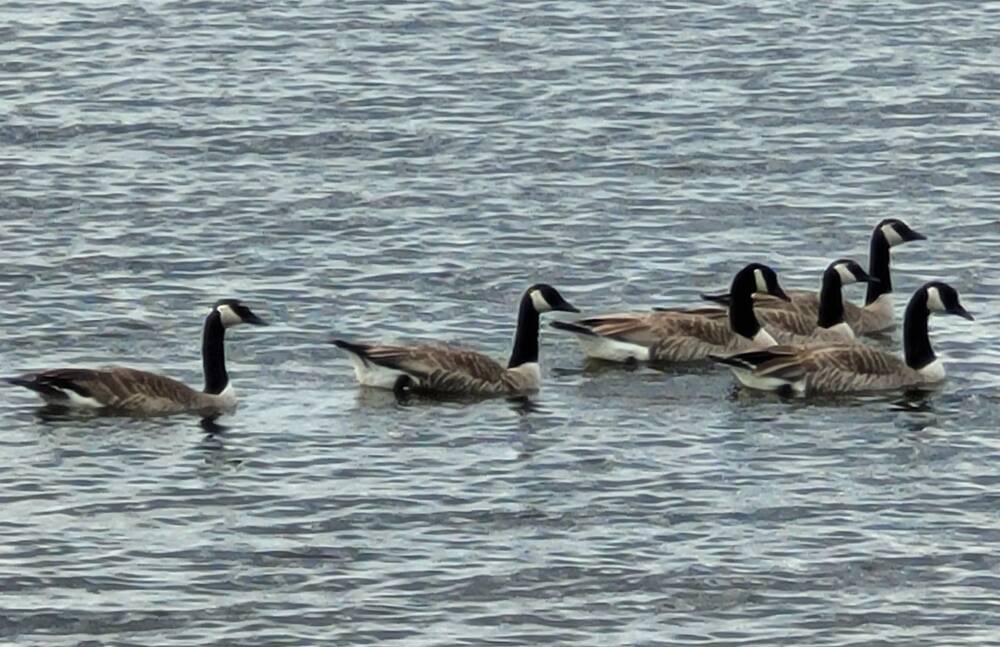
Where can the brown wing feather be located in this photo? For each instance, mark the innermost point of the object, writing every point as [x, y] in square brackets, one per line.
[126, 389]
[448, 369]
[788, 320]
[651, 328]
[857, 359]
[837, 368]
[427, 358]
[806, 304]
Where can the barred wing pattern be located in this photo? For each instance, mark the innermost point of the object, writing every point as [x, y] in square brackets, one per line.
[123, 389]
[806, 305]
[839, 368]
[450, 370]
[672, 335]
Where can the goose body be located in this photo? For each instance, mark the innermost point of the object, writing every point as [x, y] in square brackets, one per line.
[793, 326]
[844, 368]
[439, 368]
[679, 335]
[877, 314]
[131, 391]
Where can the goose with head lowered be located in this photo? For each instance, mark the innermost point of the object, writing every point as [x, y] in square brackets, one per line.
[877, 313]
[442, 369]
[845, 368]
[681, 335]
[117, 389]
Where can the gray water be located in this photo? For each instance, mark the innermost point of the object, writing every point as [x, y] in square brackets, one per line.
[405, 170]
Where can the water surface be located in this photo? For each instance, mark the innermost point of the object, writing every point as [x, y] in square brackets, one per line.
[405, 170]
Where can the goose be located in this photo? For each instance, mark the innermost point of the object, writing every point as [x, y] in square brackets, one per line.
[681, 335]
[844, 368]
[126, 390]
[442, 369]
[791, 326]
[877, 313]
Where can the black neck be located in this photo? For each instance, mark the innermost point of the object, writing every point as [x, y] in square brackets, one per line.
[878, 266]
[213, 356]
[526, 337]
[916, 343]
[831, 300]
[742, 319]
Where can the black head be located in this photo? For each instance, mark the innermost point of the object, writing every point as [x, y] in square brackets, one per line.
[763, 278]
[941, 297]
[897, 232]
[545, 298]
[232, 312]
[850, 272]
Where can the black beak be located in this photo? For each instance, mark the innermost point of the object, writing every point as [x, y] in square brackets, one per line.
[251, 318]
[865, 277]
[565, 307]
[778, 292]
[910, 235]
[961, 312]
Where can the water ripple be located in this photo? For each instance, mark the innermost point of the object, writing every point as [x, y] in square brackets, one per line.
[404, 171]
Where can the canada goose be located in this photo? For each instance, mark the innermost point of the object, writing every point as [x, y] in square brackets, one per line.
[791, 326]
[445, 369]
[877, 313]
[679, 335]
[842, 368]
[126, 390]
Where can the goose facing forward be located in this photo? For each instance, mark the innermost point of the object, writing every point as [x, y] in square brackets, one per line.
[877, 314]
[131, 391]
[842, 368]
[433, 368]
[679, 335]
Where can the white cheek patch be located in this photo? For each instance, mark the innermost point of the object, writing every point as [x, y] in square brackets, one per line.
[891, 235]
[846, 275]
[228, 316]
[761, 283]
[934, 302]
[537, 300]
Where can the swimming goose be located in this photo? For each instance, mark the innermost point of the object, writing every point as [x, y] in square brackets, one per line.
[445, 369]
[681, 335]
[842, 368]
[790, 326]
[877, 313]
[126, 390]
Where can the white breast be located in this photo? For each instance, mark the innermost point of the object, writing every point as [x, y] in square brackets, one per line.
[228, 396]
[933, 372]
[532, 373]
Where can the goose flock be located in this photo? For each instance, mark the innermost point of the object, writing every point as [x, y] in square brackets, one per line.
[798, 342]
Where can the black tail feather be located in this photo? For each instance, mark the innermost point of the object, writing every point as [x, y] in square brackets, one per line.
[361, 350]
[569, 326]
[750, 359]
[33, 383]
[351, 347]
[731, 360]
